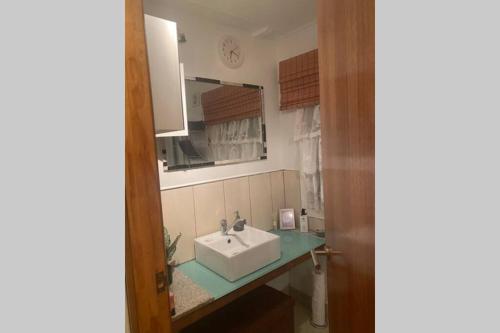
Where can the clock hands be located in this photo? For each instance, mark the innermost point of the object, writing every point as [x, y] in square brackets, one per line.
[232, 52]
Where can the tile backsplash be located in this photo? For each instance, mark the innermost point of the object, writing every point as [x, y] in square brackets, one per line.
[261, 201]
[197, 210]
[179, 217]
[278, 192]
[209, 207]
[237, 198]
[291, 180]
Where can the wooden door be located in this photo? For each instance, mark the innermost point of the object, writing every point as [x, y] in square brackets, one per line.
[346, 43]
[144, 250]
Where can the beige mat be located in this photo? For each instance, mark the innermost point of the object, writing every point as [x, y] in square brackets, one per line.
[188, 295]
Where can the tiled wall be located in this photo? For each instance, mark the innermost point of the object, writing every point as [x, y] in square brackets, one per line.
[197, 210]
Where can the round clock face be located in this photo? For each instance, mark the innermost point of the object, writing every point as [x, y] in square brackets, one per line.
[231, 52]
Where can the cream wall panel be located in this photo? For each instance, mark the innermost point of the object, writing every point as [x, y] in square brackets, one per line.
[237, 198]
[292, 193]
[209, 207]
[179, 217]
[261, 201]
[277, 192]
[197, 210]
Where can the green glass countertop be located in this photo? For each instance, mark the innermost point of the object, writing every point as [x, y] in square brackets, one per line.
[293, 245]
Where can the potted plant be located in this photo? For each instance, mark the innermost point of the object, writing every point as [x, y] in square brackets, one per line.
[170, 248]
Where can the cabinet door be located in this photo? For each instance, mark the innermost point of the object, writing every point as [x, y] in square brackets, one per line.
[164, 72]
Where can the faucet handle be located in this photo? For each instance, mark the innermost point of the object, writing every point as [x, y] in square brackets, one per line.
[237, 215]
[239, 225]
[223, 222]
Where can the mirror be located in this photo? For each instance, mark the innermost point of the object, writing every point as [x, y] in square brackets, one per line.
[225, 125]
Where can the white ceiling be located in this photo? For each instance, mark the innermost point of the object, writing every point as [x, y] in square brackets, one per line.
[263, 18]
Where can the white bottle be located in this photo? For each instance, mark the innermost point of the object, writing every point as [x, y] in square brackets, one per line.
[275, 224]
[304, 222]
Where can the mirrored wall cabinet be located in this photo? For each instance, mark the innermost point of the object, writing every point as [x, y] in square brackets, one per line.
[166, 77]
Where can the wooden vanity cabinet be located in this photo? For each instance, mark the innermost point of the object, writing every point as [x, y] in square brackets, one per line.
[262, 310]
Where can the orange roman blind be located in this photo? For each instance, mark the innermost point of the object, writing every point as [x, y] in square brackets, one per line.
[231, 103]
[299, 81]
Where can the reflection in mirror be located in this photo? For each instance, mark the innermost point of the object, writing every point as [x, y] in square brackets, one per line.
[225, 125]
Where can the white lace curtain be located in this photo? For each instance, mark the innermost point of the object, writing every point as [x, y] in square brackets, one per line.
[239, 140]
[308, 137]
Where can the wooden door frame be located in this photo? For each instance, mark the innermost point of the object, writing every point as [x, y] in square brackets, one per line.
[149, 310]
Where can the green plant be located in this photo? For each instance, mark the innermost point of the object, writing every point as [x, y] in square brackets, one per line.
[170, 247]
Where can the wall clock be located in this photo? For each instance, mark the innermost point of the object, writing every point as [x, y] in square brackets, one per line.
[231, 52]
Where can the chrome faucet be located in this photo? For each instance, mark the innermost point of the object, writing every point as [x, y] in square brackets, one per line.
[237, 225]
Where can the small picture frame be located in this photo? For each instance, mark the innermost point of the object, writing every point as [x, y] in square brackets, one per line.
[287, 219]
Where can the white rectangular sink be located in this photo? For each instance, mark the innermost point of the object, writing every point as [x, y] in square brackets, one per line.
[239, 253]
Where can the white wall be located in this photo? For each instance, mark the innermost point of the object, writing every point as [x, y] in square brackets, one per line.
[200, 57]
[297, 42]
[294, 43]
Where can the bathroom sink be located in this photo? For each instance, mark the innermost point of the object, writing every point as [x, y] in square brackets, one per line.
[238, 254]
